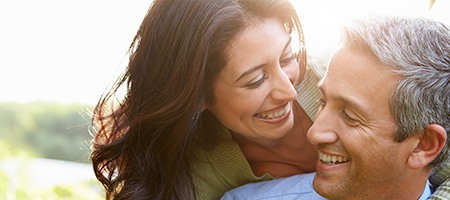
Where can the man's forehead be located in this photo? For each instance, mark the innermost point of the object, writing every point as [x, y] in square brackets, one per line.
[356, 78]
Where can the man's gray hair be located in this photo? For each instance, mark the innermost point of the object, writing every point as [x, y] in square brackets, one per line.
[418, 49]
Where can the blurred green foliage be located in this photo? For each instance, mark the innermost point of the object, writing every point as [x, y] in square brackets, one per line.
[46, 130]
[49, 130]
[17, 184]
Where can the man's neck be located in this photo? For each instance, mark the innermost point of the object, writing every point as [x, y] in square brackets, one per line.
[426, 192]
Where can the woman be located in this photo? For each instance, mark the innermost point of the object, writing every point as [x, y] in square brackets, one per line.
[209, 104]
[206, 80]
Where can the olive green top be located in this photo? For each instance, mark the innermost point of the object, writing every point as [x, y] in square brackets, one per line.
[222, 168]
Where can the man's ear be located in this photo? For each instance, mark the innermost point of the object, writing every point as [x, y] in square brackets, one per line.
[430, 145]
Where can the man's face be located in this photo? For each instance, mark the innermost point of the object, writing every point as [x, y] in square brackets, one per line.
[354, 129]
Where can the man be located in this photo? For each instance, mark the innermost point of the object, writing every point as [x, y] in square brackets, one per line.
[384, 119]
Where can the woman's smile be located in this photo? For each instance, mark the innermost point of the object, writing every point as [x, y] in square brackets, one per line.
[279, 114]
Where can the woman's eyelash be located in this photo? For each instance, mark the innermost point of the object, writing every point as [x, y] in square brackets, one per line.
[262, 79]
[257, 82]
[289, 59]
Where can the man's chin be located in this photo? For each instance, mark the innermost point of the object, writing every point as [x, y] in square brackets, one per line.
[327, 187]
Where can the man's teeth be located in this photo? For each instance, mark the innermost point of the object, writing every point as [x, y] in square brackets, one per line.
[329, 159]
[273, 115]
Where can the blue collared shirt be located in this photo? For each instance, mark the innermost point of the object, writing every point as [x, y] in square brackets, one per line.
[290, 188]
[426, 192]
[294, 187]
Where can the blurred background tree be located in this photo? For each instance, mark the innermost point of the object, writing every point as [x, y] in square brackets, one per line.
[48, 130]
[37, 141]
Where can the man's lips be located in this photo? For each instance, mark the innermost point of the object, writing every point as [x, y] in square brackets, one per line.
[332, 159]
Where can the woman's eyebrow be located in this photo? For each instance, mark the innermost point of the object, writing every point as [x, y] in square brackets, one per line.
[249, 71]
[287, 44]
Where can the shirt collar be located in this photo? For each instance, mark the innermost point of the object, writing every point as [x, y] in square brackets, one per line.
[426, 192]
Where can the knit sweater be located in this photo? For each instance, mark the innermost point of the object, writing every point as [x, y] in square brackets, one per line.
[222, 168]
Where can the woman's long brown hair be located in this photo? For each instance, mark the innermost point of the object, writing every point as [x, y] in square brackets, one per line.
[143, 145]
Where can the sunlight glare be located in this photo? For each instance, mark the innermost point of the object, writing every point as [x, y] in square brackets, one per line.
[70, 51]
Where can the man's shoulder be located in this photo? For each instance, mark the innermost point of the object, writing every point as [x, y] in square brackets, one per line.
[293, 187]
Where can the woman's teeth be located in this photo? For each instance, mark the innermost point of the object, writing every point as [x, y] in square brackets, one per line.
[329, 159]
[273, 115]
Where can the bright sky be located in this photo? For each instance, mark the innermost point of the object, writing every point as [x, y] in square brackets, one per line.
[70, 51]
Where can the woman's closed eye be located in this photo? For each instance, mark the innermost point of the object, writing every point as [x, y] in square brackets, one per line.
[257, 82]
[287, 60]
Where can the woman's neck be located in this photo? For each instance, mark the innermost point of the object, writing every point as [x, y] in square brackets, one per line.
[289, 155]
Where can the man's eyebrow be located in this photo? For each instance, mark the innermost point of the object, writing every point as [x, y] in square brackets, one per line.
[251, 70]
[350, 102]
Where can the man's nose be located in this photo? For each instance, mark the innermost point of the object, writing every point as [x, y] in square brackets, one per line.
[323, 130]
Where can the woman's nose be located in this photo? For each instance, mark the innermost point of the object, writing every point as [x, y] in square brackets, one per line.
[283, 84]
[283, 89]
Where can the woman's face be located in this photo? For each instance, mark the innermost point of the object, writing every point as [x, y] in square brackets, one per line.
[254, 92]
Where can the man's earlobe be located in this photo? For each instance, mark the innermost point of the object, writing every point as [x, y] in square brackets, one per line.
[430, 145]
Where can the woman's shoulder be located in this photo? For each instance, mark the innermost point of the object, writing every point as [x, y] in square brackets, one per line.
[221, 168]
